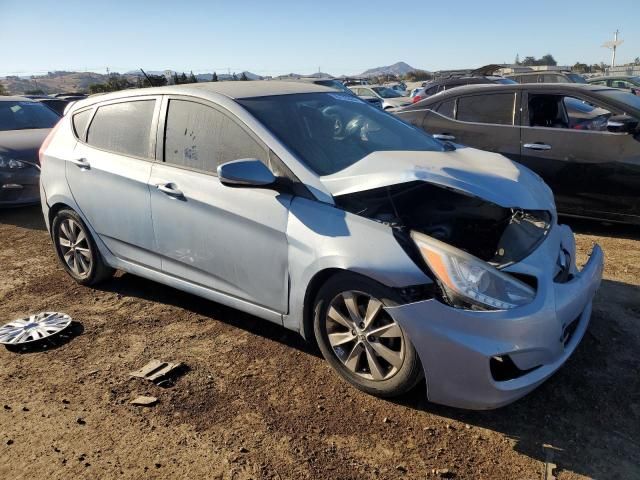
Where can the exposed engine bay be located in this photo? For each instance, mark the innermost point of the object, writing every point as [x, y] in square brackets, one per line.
[498, 235]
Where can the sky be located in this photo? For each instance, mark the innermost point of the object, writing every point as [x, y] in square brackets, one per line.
[274, 37]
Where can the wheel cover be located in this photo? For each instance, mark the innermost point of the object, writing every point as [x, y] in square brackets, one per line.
[33, 328]
[74, 247]
[364, 337]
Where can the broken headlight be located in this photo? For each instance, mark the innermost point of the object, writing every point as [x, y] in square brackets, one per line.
[469, 282]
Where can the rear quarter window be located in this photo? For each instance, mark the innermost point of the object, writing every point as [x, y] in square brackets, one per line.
[123, 127]
[80, 121]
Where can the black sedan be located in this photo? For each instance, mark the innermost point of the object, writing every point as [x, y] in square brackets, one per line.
[24, 124]
[583, 140]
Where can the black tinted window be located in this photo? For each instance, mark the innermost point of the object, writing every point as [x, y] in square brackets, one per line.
[80, 122]
[447, 108]
[201, 137]
[497, 108]
[123, 128]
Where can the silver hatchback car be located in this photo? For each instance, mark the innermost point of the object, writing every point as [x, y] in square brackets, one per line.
[402, 257]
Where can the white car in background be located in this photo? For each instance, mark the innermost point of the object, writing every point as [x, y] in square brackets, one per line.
[390, 98]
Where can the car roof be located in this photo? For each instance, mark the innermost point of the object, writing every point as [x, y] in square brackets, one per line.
[494, 87]
[231, 89]
[610, 77]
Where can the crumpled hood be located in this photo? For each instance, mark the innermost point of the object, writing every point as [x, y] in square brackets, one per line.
[490, 176]
[22, 144]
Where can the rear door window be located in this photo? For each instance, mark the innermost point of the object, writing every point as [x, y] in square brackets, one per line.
[201, 137]
[123, 127]
[495, 109]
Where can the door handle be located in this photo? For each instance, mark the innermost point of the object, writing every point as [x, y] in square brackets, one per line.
[81, 163]
[170, 189]
[537, 146]
[444, 136]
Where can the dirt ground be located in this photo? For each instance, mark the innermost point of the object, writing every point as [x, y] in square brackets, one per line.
[259, 403]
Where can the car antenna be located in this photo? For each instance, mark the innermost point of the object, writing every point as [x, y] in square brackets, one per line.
[147, 77]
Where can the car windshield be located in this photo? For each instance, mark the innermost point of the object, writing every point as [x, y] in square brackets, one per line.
[385, 92]
[20, 115]
[331, 131]
[575, 78]
[504, 81]
[622, 97]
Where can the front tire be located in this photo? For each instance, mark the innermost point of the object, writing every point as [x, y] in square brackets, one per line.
[76, 249]
[360, 340]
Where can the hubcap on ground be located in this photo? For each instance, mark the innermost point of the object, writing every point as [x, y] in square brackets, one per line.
[364, 336]
[74, 247]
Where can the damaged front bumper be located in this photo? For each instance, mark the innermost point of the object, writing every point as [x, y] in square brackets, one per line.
[486, 359]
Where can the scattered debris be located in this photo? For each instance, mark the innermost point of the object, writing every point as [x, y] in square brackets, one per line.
[9, 442]
[401, 468]
[385, 420]
[160, 373]
[549, 466]
[244, 450]
[443, 472]
[34, 328]
[81, 421]
[7, 407]
[144, 401]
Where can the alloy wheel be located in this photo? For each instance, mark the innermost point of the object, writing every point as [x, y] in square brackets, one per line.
[74, 247]
[365, 338]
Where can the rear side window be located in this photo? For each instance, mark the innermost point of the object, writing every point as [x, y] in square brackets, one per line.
[123, 128]
[201, 137]
[496, 108]
[447, 108]
[80, 121]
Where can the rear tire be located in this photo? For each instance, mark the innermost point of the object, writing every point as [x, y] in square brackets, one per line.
[76, 249]
[360, 340]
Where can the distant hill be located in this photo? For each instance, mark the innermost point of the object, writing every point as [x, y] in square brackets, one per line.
[400, 68]
[55, 82]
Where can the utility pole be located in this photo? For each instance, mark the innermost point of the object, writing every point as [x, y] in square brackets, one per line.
[613, 46]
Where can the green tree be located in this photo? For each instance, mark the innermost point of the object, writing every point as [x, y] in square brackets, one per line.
[418, 76]
[517, 60]
[192, 78]
[35, 91]
[183, 78]
[3, 90]
[234, 77]
[548, 60]
[244, 77]
[114, 83]
[636, 61]
[176, 80]
[580, 68]
[214, 77]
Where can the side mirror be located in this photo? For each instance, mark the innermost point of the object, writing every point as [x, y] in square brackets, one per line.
[622, 124]
[245, 173]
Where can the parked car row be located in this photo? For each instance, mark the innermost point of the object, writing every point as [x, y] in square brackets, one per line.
[403, 256]
[583, 140]
[24, 124]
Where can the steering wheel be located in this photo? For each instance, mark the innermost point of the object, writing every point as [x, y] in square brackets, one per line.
[335, 115]
[355, 127]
